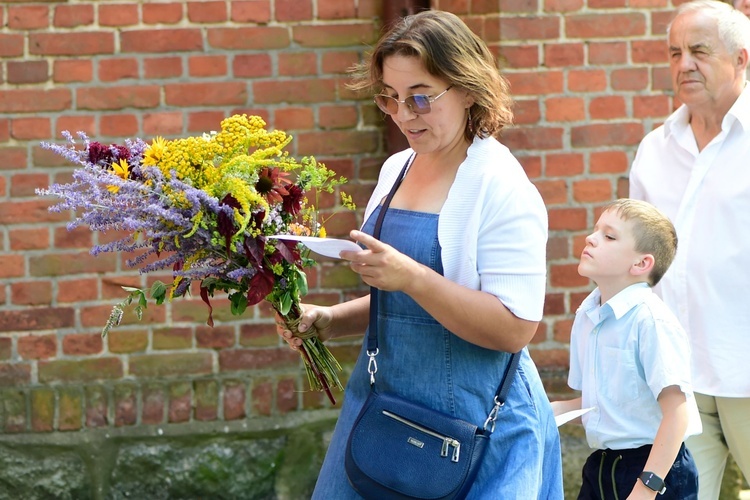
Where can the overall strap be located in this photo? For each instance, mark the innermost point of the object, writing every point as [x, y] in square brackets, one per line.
[372, 337]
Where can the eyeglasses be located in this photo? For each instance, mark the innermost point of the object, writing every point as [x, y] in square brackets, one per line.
[419, 104]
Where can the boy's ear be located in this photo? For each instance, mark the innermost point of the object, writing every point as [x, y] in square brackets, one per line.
[643, 266]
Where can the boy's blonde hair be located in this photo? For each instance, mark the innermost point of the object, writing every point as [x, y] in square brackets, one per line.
[653, 232]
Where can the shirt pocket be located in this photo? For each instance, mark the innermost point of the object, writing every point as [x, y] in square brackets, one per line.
[619, 377]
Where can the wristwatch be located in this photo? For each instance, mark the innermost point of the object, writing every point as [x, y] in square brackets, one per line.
[653, 482]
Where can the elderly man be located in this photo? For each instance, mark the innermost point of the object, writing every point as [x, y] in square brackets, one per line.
[696, 168]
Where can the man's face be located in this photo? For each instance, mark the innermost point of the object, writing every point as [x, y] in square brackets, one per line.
[704, 73]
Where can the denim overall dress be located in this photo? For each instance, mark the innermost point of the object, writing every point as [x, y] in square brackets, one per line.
[422, 361]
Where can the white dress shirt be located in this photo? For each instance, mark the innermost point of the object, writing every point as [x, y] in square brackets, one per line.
[622, 355]
[706, 194]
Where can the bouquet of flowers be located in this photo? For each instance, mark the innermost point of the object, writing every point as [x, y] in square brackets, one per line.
[206, 207]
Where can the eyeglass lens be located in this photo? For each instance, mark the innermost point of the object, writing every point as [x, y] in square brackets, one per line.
[418, 103]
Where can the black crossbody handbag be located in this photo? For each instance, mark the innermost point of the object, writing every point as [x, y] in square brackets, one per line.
[399, 449]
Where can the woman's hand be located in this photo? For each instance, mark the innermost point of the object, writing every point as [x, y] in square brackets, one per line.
[381, 265]
[314, 320]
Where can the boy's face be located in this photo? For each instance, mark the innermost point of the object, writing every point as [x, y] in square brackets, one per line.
[610, 251]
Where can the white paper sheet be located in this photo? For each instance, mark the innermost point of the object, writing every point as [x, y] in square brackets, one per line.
[568, 416]
[329, 247]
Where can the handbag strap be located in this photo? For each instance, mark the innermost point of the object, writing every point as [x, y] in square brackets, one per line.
[372, 337]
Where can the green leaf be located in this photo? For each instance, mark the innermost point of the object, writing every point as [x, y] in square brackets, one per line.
[239, 303]
[142, 302]
[159, 292]
[130, 289]
[301, 283]
[138, 312]
[286, 304]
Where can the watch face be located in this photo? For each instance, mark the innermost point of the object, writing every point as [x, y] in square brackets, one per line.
[653, 482]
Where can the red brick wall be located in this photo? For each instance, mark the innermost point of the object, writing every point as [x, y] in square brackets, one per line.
[589, 79]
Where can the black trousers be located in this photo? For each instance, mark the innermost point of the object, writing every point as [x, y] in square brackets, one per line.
[611, 475]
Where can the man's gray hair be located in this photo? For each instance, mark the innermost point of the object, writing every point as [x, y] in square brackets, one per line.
[733, 25]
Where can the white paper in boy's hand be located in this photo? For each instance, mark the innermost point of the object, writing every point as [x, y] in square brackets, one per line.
[568, 416]
[329, 247]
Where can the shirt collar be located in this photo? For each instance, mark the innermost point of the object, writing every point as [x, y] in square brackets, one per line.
[618, 306]
[739, 112]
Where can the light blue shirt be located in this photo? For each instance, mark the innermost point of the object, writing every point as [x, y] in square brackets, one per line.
[622, 354]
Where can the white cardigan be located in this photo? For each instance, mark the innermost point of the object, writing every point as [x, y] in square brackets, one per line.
[492, 228]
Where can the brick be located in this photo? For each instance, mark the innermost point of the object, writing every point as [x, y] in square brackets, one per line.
[248, 359]
[337, 117]
[294, 91]
[34, 100]
[163, 124]
[251, 11]
[258, 335]
[650, 106]
[207, 66]
[82, 344]
[111, 70]
[161, 40]
[334, 143]
[180, 402]
[566, 275]
[253, 38]
[14, 374]
[536, 82]
[4, 130]
[207, 12]
[551, 358]
[119, 126]
[597, 135]
[607, 107]
[28, 17]
[562, 330]
[218, 337]
[587, 80]
[630, 79]
[563, 55]
[162, 67]
[608, 162]
[204, 121]
[11, 45]
[338, 61]
[40, 318]
[540, 335]
[293, 10]
[127, 341]
[153, 408]
[71, 263]
[528, 138]
[661, 79]
[162, 13]
[252, 66]
[529, 28]
[80, 237]
[206, 400]
[552, 191]
[118, 15]
[31, 293]
[126, 404]
[287, 396]
[173, 338]
[31, 129]
[21, 72]
[610, 25]
[206, 94]
[69, 71]
[298, 64]
[70, 416]
[570, 219]
[520, 56]
[563, 164]
[603, 53]
[565, 109]
[554, 303]
[334, 35]
[96, 406]
[71, 16]
[116, 98]
[81, 370]
[24, 185]
[337, 9]
[6, 348]
[261, 398]
[165, 365]
[592, 190]
[83, 123]
[294, 118]
[233, 401]
[13, 406]
[11, 266]
[42, 409]
[71, 44]
[77, 290]
[526, 111]
[532, 165]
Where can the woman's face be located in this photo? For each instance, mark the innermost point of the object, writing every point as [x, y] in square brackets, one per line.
[743, 6]
[443, 127]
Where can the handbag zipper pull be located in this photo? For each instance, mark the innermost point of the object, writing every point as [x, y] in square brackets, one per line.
[444, 450]
[456, 450]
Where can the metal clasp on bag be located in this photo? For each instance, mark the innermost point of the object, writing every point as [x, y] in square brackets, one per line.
[372, 366]
[493, 415]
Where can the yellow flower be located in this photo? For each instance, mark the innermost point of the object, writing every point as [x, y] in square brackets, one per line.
[122, 170]
[154, 153]
[322, 232]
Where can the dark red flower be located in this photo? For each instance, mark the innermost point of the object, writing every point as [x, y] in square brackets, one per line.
[272, 184]
[292, 202]
[99, 154]
[120, 152]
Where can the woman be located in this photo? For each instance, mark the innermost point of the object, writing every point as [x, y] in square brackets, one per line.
[460, 262]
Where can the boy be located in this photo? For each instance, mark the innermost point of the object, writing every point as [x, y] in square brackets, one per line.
[629, 357]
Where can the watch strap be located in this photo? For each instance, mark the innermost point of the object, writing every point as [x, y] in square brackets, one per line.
[653, 482]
